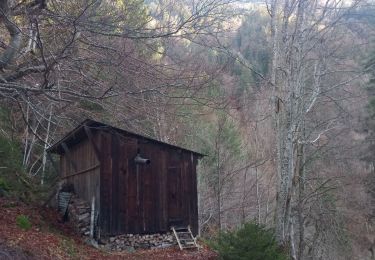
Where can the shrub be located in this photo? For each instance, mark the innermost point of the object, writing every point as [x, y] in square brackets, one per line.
[23, 222]
[10, 155]
[4, 187]
[251, 242]
[14, 182]
[4, 184]
[10, 165]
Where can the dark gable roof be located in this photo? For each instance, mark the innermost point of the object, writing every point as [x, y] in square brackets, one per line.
[78, 133]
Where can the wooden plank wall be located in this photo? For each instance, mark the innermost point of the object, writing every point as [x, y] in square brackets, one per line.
[119, 212]
[152, 174]
[193, 215]
[166, 188]
[141, 205]
[82, 169]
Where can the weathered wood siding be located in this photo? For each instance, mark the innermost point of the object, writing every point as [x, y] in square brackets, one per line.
[80, 166]
[148, 199]
[133, 198]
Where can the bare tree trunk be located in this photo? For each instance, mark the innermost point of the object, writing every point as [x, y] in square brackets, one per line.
[244, 197]
[218, 169]
[46, 146]
[256, 175]
[298, 66]
[287, 112]
[15, 35]
[301, 195]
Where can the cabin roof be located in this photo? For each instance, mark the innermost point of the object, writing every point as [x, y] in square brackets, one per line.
[76, 135]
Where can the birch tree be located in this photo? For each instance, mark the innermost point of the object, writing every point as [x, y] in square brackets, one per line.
[304, 44]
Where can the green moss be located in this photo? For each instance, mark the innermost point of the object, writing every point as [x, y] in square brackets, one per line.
[23, 222]
[4, 185]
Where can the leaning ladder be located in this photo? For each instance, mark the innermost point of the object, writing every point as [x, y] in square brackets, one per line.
[184, 237]
[63, 201]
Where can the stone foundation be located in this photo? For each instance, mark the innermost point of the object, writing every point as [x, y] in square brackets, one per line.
[131, 242]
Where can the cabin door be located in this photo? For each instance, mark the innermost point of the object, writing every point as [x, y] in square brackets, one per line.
[174, 195]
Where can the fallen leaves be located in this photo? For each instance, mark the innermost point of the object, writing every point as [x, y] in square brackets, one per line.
[49, 238]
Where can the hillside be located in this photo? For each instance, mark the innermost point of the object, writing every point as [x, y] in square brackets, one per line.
[278, 95]
[49, 239]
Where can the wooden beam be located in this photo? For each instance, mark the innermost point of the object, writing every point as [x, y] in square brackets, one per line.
[83, 171]
[91, 138]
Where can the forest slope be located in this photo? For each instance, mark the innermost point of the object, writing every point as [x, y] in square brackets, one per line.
[49, 239]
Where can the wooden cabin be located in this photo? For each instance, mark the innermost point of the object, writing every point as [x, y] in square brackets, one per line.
[139, 185]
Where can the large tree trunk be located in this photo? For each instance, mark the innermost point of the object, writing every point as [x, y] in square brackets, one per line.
[288, 115]
[15, 35]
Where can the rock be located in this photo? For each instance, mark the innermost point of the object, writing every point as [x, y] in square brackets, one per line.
[130, 249]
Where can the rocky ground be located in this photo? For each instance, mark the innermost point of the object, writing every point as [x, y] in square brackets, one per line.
[49, 238]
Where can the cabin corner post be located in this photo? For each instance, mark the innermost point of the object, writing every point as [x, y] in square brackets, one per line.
[105, 184]
[95, 139]
[53, 163]
[196, 227]
[90, 136]
[92, 217]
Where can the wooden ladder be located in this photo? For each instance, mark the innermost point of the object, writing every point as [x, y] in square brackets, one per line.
[184, 237]
[63, 202]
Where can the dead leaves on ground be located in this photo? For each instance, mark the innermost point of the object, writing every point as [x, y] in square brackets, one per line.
[48, 238]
